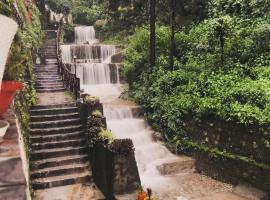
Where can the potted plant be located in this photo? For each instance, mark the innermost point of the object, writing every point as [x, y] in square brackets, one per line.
[7, 93]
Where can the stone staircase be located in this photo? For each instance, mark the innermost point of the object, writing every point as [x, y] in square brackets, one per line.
[58, 149]
[47, 77]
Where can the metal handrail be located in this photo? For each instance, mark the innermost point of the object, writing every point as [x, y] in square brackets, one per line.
[71, 81]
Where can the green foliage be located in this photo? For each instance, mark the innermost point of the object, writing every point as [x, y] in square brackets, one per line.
[60, 6]
[202, 85]
[20, 63]
[94, 127]
[244, 8]
[69, 34]
[106, 135]
[90, 100]
[123, 147]
[185, 145]
[87, 15]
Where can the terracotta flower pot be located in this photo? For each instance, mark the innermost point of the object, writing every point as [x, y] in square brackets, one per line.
[7, 93]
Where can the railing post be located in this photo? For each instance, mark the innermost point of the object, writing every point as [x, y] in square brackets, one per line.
[70, 80]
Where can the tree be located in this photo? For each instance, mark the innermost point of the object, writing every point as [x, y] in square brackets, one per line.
[172, 50]
[152, 33]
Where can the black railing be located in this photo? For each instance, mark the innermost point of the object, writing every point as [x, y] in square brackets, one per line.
[71, 82]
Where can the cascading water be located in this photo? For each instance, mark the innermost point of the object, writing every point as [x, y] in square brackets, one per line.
[93, 73]
[66, 53]
[96, 79]
[85, 34]
[100, 79]
[87, 53]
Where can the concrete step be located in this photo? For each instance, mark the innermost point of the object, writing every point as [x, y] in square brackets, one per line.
[46, 66]
[59, 170]
[58, 144]
[47, 72]
[55, 123]
[49, 81]
[51, 90]
[51, 61]
[53, 110]
[47, 76]
[39, 106]
[57, 137]
[48, 50]
[60, 161]
[180, 164]
[57, 181]
[49, 86]
[50, 57]
[43, 118]
[57, 152]
[53, 131]
[53, 72]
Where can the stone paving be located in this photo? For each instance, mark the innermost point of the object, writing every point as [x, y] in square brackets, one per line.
[12, 178]
[72, 192]
[55, 98]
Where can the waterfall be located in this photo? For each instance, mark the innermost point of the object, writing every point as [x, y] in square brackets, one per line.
[101, 78]
[106, 52]
[85, 34]
[88, 53]
[66, 54]
[93, 73]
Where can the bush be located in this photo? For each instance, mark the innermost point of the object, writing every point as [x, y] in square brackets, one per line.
[123, 147]
[202, 86]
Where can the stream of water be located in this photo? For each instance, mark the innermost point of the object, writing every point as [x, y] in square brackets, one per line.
[96, 80]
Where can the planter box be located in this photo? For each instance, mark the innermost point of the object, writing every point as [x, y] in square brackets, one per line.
[7, 93]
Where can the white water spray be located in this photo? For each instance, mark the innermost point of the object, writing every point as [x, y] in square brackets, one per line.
[85, 34]
[87, 53]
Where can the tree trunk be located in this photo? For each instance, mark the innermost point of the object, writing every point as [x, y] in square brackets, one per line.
[152, 33]
[172, 50]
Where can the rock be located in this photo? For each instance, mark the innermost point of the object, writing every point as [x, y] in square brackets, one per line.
[137, 111]
[250, 192]
[181, 164]
[101, 22]
[117, 58]
[157, 137]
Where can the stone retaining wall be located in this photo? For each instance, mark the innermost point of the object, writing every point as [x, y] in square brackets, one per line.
[114, 172]
[244, 151]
